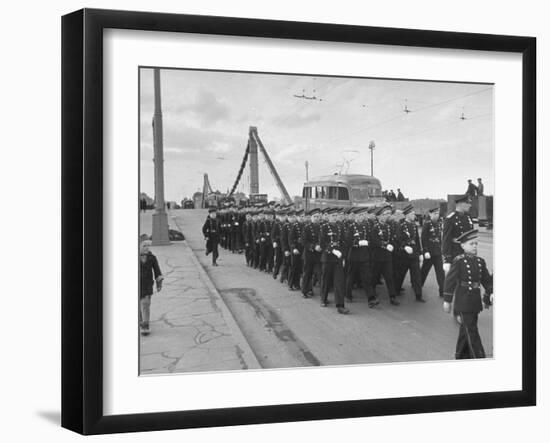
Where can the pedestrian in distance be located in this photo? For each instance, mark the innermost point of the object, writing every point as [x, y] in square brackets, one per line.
[463, 285]
[149, 274]
[480, 188]
[472, 189]
[400, 196]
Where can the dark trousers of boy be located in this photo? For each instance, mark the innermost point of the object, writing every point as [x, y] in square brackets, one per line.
[411, 264]
[256, 254]
[295, 271]
[285, 268]
[437, 262]
[469, 343]
[311, 268]
[212, 246]
[333, 275]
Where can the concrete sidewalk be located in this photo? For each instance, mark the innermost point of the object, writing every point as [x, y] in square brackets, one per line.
[192, 329]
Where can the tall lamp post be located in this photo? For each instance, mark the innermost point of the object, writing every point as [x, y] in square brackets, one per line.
[372, 145]
[160, 218]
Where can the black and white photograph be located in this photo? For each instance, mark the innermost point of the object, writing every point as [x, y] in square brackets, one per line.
[302, 220]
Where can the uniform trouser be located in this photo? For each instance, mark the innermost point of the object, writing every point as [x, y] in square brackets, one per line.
[384, 268]
[333, 272]
[248, 254]
[469, 344]
[270, 257]
[256, 255]
[285, 268]
[295, 270]
[359, 270]
[215, 253]
[311, 266]
[144, 310]
[263, 255]
[412, 265]
[236, 241]
[278, 261]
[437, 262]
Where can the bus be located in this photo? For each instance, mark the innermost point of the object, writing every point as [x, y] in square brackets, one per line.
[342, 190]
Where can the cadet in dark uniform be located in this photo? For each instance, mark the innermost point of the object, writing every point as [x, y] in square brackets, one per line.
[431, 248]
[382, 248]
[332, 242]
[248, 239]
[276, 232]
[295, 248]
[285, 230]
[312, 252]
[409, 251]
[463, 283]
[359, 258]
[456, 223]
[211, 232]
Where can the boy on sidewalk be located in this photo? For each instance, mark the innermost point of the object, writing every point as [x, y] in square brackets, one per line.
[149, 273]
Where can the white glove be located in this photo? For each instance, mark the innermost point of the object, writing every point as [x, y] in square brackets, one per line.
[446, 307]
[287, 253]
[427, 256]
[295, 251]
[363, 243]
[446, 267]
[318, 248]
[408, 249]
[236, 224]
[274, 244]
[262, 239]
[337, 253]
[492, 298]
[389, 248]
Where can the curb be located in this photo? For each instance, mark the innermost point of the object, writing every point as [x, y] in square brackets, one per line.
[247, 355]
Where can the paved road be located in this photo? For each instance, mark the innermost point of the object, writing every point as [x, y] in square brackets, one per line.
[285, 330]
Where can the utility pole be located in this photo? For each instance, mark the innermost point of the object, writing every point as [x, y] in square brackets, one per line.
[307, 171]
[372, 145]
[160, 218]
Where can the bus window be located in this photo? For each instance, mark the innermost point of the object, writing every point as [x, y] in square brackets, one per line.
[332, 193]
[320, 192]
[306, 192]
[360, 194]
[343, 194]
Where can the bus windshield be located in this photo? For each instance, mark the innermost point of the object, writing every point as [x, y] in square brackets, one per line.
[365, 193]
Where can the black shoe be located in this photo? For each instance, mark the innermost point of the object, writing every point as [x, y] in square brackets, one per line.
[373, 303]
[394, 302]
[342, 310]
[324, 304]
[214, 264]
[420, 300]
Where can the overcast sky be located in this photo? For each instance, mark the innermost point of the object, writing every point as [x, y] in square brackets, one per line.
[429, 152]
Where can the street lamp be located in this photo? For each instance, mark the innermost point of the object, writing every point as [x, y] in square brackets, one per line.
[372, 145]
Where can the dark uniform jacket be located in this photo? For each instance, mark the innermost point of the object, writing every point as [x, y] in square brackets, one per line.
[285, 230]
[463, 282]
[331, 237]
[381, 237]
[431, 237]
[455, 224]
[408, 236]
[294, 237]
[276, 231]
[356, 232]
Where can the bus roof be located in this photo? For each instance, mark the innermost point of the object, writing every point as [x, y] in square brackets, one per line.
[347, 179]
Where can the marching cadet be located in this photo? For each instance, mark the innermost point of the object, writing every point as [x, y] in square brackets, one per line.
[295, 248]
[358, 258]
[456, 223]
[409, 251]
[398, 261]
[276, 232]
[312, 252]
[256, 219]
[382, 249]
[236, 236]
[265, 239]
[248, 238]
[285, 230]
[211, 232]
[332, 242]
[431, 249]
[463, 282]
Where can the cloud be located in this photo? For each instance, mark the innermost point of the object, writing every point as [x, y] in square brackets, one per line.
[206, 107]
[296, 121]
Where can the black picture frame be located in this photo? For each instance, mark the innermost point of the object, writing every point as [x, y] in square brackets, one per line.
[82, 218]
